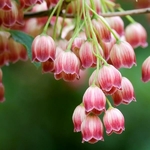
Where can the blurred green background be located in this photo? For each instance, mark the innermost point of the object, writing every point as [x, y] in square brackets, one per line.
[37, 113]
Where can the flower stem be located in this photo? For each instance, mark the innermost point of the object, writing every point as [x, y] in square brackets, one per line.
[108, 102]
[58, 11]
[128, 17]
[105, 23]
[51, 15]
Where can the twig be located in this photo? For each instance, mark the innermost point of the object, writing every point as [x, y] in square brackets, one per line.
[125, 13]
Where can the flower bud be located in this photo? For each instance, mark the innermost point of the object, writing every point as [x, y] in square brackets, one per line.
[92, 129]
[113, 121]
[101, 31]
[67, 66]
[122, 55]
[117, 24]
[109, 79]
[126, 94]
[43, 48]
[136, 35]
[94, 100]
[78, 117]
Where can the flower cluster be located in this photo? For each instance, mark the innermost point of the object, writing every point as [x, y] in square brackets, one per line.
[74, 38]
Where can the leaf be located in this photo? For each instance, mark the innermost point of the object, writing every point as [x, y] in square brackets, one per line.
[25, 40]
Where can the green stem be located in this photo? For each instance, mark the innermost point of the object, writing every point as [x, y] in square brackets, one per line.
[92, 5]
[57, 16]
[128, 17]
[109, 104]
[74, 36]
[105, 23]
[94, 39]
[104, 8]
[51, 15]
[85, 19]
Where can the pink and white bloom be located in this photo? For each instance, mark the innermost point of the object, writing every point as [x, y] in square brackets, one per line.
[122, 55]
[146, 70]
[94, 100]
[101, 31]
[86, 54]
[117, 24]
[113, 121]
[126, 94]
[43, 48]
[67, 66]
[109, 79]
[92, 129]
[136, 35]
[78, 117]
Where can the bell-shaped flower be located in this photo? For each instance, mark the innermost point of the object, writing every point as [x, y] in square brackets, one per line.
[94, 100]
[109, 79]
[126, 94]
[92, 129]
[86, 54]
[78, 117]
[67, 66]
[113, 121]
[146, 70]
[43, 48]
[101, 31]
[136, 35]
[117, 24]
[122, 55]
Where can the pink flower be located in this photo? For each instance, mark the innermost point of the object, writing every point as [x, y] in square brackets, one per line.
[43, 48]
[146, 70]
[126, 94]
[5, 4]
[101, 31]
[136, 35]
[67, 66]
[122, 55]
[88, 59]
[113, 121]
[86, 55]
[117, 24]
[109, 79]
[78, 117]
[94, 100]
[92, 129]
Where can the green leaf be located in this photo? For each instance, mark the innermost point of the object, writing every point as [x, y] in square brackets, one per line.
[25, 40]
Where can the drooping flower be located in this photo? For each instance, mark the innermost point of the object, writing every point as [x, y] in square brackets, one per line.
[126, 94]
[101, 31]
[122, 55]
[78, 117]
[92, 129]
[86, 54]
[113, 121]
[43, 48]
[146, 70]
[117, 24]
[109, 79]
[67, 66]
[94, 100]
[136, 35]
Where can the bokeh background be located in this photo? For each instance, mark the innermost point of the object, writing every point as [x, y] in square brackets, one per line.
[37, 113]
